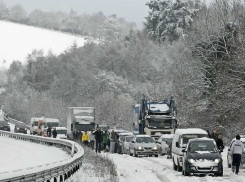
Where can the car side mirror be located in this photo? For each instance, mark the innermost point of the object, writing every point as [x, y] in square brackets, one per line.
[183, 150]
[229, 149]
[177, 144]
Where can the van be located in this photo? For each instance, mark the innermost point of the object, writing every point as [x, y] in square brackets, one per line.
[34, 125]
[180, 140]
[52, 122]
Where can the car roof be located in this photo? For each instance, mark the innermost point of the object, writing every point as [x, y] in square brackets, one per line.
[167, 136]
[50, 120]
[61, 128]
[201, 139]
[127, 134]
[190, 131]
[142, 136]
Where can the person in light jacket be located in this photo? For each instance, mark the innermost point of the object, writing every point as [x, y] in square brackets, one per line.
[91, 139]
[237, 149]
[112, 141]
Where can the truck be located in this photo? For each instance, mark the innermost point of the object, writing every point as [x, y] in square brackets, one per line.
[81, 118]
[155, 118]
[37, 125]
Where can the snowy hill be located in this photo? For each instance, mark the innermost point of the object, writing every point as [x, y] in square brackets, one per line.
[17, 41]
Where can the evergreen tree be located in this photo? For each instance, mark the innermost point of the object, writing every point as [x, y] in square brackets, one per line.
[4, 11]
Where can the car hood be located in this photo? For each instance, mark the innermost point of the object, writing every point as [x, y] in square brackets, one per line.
[146, 144]
[202, 156]
[62, 136]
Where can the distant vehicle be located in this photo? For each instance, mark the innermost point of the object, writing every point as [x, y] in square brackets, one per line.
[4, 125]
[120, 141]
[229, 158]
[125, 145]
[163, 143]
[143, 145]
[202, 156]
[61, 132]
[34, 125]
[52, 122]
[20, 128]
[180, 140]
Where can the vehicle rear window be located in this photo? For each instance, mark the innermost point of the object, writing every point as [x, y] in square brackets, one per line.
[201, 146]
[129, 139]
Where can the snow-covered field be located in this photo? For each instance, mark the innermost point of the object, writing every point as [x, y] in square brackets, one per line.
[17, 154]
[149, 169]
[17, 41]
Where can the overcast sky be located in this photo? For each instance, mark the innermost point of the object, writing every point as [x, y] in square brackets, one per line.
[131, 10]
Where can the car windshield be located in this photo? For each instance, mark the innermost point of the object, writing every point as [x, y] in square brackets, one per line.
[191, 136]
[121, 137]
[52, 124]
[144, 139]
[62, 132]
[161, 123]
[129, 139]
[202, 146]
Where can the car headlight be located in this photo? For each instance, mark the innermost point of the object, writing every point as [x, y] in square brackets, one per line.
[139, 148]
[17, 128]
[120, 143]
[217, 161]
[191, 160]
[154, 148]
[25, 128]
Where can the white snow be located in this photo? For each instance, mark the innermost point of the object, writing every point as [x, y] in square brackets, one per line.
[17, 154]
[190, 131]
[17, 41]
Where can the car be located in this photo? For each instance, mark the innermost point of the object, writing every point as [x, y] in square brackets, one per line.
[163, 143]
[61, 132]
[4, 125]
[229, 159]
[202, 156]
[20, 128]
[143, 145]
[180, 140]
[125, 145]
[120, 140]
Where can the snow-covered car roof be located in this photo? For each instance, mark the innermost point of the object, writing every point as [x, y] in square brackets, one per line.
[167, 136]
[50, 120]
[190, 131]
[127, 134]
[61, 128]
[143, 136]
[201, 139]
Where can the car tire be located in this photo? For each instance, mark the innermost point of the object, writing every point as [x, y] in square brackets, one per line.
[179, 169]
[220, 174]
[135, 155]
[174, 166]
[185, 173]
[156, 155]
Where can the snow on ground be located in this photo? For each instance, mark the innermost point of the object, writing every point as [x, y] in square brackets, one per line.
[17, 41]
[17, 154]
[148, 169]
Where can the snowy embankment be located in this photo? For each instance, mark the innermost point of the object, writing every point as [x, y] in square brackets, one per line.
[17, 154]
[149, 169]
[17, 41]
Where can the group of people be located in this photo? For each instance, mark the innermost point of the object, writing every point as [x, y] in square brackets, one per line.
[98, 138]
[236, 149]
[49, 132]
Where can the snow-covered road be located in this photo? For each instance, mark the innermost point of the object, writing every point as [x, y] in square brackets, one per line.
[17, 154]
[149, 169]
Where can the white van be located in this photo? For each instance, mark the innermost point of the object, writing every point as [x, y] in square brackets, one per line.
[181, 138]
[52, 122]
[34, 125]
[61, 132]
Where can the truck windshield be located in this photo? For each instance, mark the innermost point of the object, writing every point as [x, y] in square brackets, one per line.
[191, 136]
[84, 127]
[62, 132]
[144, 139]
[161, 123]
[52, 124]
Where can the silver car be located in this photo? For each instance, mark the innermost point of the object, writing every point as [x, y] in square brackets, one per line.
[229, 158]
[143, 145]
[163, 143]
[125, 145]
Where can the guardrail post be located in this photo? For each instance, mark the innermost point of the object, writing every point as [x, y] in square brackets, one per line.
[72, 149]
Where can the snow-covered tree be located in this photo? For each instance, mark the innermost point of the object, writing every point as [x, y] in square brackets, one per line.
[17, 13]
[4, 11]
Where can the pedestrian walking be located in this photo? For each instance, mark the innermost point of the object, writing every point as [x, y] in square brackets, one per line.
[91, 139]
[76, 135]
[49, 131]
[54, 133]
[105, 140]
[85, 138]
[214, 135]
[237, 149]
[219, 143]
[112, 141]
[99, 139]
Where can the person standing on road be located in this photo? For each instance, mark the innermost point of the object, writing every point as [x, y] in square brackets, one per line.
[91, 138]
[209, 136]
[49, 131]
[75, 135]
[105, 140]
[54, 133]
[237, 149]
[98, 138]
[85, 138]
[214, 135]
[219, 143]
[112, 142]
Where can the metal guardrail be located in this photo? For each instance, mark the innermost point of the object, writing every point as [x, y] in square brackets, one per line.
[57, 172]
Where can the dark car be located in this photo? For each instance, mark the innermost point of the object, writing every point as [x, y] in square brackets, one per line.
[4, 125]
[20, 128]
[202, 156]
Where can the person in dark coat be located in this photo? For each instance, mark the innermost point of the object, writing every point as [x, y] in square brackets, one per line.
[76, 135]
[99, 139]
[219, 143]
[214, 135]
[49, 131]
[54, 133]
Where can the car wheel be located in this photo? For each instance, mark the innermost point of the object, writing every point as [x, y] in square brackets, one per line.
[220, 174]
[156, 155]
[174, 166]
[185, 173]
[130, 153]
[228, 164]
[135, 155]
[179, 168]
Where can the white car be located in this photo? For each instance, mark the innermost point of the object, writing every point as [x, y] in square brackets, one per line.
[163, 143]
[125, 145]
[143, 145]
